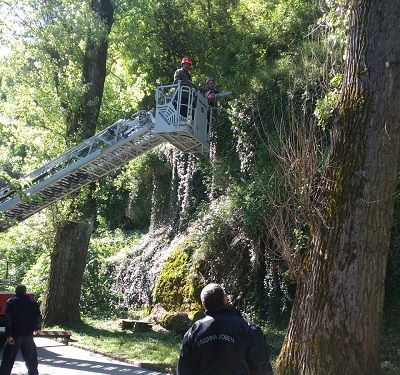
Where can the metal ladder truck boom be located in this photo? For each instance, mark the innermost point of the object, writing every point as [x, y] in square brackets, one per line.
[182, 118]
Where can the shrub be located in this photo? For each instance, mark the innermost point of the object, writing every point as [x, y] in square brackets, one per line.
[178, 322]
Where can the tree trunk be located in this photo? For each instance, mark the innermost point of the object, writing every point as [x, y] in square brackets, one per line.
[61, 300]
[337, 314]
[68, 261]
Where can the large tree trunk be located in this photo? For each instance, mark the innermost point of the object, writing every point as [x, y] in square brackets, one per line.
[68, 260]
[336, 319]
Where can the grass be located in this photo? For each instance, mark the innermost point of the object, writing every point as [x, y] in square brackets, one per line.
[159, 349]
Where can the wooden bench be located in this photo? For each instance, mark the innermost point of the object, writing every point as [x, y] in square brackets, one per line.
[135, 325]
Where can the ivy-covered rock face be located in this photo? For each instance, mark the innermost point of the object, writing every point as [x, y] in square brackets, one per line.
[176, 287]
[170, 270]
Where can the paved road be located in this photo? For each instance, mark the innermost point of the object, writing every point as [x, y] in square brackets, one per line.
[56, 358]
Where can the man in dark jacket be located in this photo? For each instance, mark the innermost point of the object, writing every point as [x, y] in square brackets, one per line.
[223, 343]
[22, 318]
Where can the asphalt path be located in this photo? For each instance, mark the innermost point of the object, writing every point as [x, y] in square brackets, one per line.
[56, 358]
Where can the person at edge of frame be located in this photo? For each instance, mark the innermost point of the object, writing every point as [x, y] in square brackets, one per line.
[22, 318]
[223, 342]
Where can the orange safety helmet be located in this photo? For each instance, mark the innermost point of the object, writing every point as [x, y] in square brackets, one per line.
[209, 79]
[186, 59]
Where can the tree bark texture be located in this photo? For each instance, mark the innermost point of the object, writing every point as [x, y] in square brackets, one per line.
[336, 319]
[68, 261]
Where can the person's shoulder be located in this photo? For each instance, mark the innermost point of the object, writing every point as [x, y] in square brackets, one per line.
[12, 299]
[198, 324]
[251, 324]
[248, 323]
[203, 320]
[255, 330]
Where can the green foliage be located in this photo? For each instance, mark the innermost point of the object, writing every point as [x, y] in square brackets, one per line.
[98, 298]
[176, 286]
[36, 276]
[23, 247]
[142, 183]
[325, 107]
[290, 19]
[274, 336]
[222, 252]
[272, 58]
[112, 198]
[251, 204]
[40, 80]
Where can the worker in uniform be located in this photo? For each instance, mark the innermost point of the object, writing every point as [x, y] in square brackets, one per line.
[223, 343]
[183, 74]
[210, 93]
[22, 318]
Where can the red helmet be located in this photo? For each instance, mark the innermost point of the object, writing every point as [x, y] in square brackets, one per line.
[209, 79]
[186, 59]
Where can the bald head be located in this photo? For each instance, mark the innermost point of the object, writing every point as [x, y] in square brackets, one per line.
[213, 297]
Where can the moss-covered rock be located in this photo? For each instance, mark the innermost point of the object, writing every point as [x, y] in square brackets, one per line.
[177, 322]
[177, 289]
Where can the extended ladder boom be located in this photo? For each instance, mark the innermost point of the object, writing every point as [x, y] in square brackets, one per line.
[184, 123]
[85, 163]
